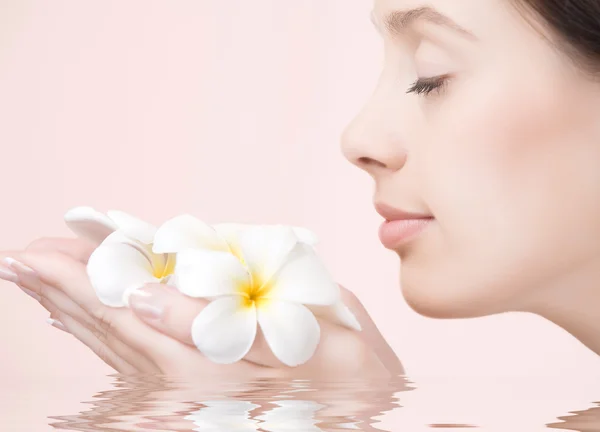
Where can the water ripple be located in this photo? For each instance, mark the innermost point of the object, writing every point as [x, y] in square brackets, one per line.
[159, 404]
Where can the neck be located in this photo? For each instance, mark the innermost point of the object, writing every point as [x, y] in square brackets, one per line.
[574, 304]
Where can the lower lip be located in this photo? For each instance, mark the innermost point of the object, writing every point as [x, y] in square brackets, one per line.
[392, 234]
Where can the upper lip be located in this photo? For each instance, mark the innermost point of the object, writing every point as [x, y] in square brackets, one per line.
[390, 213]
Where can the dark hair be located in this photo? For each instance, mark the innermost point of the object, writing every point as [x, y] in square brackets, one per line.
[576, 26]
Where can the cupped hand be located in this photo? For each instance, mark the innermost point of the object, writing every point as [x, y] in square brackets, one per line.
[154, 336]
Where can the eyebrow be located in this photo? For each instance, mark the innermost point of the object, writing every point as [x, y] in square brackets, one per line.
[398, 21]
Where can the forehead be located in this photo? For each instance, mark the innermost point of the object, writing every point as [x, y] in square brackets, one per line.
[396, 22]
[487, 19]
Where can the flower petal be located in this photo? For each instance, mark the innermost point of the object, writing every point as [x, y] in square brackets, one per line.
[303, 278]
[203, 273]
[160, 262]
[116, 269]
[306, 236]
[88, 223]
[186, 231]
[122, 238]
[265, 247]
[291, 330]
[230, 232]
[133, 227]
[337, 313]
[225, 329]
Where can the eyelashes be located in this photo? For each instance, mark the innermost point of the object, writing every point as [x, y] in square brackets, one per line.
[425, 86]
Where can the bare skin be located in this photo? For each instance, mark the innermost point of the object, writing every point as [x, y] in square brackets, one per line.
[500, 144]
[491, 130]
[131, 341]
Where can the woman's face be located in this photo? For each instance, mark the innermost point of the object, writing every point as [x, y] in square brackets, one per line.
[504, 153]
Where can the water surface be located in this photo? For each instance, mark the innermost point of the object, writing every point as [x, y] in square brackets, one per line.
[150, 403]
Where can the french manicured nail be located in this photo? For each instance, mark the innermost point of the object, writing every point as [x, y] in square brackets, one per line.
[57, 324]
[146, 304]
[9, 275]
[31, 294]
[19, 267]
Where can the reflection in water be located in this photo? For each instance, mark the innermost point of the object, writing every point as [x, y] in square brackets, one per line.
[580, 421]
[150, 403]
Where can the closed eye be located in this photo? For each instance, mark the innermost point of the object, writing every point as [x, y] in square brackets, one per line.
[427, 85]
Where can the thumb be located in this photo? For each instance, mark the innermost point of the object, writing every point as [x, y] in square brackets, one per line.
[165, 309]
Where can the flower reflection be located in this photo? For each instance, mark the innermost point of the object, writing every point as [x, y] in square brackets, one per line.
[224, 415]
[235, 415]
[292, 415]
[160, 404]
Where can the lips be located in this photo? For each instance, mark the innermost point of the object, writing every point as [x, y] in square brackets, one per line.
[400, 226]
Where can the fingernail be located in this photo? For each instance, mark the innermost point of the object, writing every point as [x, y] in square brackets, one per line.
[31, 294]
[146, 304]
[9, 275]
[57, 324]
[19, 267]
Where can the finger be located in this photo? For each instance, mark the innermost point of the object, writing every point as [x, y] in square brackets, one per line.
[341, 353]
[50, 297]
[57, 324]
[69, 285]
[34, 288]
[371, 334]
[167, 310]
[55, 300]
[44, 293]
[9, 275]
[69, 276]
[6, 272]
[173, 313]
[78, 249]
[84, 335]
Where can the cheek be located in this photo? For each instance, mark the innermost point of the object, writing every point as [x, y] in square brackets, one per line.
[513, 178]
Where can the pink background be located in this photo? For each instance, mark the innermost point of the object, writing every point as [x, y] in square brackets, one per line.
[230, 110]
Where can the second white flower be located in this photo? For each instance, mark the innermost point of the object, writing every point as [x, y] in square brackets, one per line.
[270, 284]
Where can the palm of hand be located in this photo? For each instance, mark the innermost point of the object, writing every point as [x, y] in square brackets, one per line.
[135, 342]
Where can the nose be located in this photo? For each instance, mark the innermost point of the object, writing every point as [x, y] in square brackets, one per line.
[373, 139]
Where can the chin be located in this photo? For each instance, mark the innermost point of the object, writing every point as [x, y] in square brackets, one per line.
[434, 306]
[437, 298]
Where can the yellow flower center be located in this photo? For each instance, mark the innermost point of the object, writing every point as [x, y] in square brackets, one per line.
[255, 292]
[165, 268]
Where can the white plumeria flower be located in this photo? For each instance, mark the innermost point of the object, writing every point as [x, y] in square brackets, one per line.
[124, 260]
[86, 222]
[187, 232]
[232, 231]
[268, 285]
[90, 224]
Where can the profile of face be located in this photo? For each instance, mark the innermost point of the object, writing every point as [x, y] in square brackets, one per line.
[481, 121]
